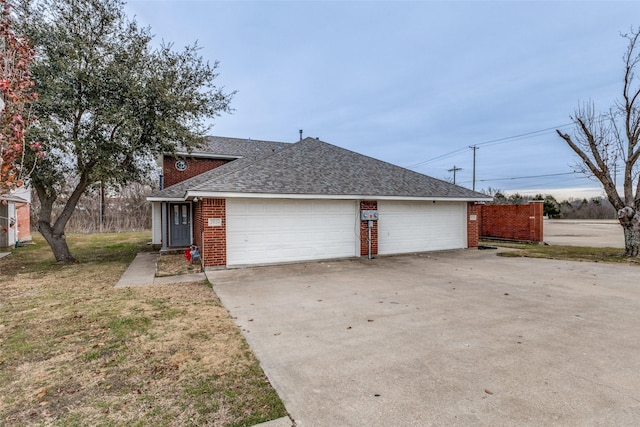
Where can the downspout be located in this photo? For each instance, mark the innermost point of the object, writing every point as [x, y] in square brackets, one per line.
[192, 210]
[369, 227]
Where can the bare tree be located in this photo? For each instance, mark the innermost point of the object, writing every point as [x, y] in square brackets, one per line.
[595, 208]
[123, 209]
[603, 140]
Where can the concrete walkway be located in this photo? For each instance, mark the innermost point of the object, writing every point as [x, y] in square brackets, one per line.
[142, 272]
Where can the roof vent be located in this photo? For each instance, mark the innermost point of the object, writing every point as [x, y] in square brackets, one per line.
[300, 134]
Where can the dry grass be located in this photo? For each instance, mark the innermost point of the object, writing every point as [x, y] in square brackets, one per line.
[570, 253]
[77, 351]
[175, 264]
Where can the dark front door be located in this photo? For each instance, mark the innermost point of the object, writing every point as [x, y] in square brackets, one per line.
[180, 224]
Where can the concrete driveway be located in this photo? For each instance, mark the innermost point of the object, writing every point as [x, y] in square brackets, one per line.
[452, 338]
[597, 233]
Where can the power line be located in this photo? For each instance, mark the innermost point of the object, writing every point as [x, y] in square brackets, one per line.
[492, 142]
[443, 156]
[537, 185]
[525, 177]
[527, 134]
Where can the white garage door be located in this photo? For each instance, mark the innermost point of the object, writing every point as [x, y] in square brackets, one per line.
[264, 231]
[405, 227]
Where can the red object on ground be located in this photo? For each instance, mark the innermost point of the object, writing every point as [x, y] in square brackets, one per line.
[187, 254]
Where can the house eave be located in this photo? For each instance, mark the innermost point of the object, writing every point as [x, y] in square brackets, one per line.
[190, 195]
[14, 199]
[165, 199]
[203, 155]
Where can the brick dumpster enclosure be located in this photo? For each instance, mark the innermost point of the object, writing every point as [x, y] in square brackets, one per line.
[513, 222]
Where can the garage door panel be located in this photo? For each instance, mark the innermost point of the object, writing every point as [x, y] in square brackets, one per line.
[271, 231]
[405, 227]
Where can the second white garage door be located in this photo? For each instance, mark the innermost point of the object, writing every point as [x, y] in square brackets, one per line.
[265, 231]
[405, 227]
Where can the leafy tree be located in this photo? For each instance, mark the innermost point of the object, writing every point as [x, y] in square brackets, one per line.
[551, 209]
[109, 102]
[500, 199]
[16, 97]
[498, 196]
[603, 140]
[517, 199]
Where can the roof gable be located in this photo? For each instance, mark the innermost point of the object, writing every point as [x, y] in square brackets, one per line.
[314, 167]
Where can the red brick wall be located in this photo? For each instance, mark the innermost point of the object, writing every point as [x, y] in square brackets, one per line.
[195, 166]
[537, 221]
[473, 221]
[23, 214]
[364, 230]
[211, 240]
[516, 222]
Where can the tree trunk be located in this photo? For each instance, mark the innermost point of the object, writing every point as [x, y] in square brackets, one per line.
[57, 242]
[630, 221]
[54, 232]
[631, 242]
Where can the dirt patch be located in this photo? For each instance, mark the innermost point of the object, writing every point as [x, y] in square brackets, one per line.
[175, 264]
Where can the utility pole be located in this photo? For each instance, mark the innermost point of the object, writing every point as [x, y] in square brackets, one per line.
[454, 170]
[615, 179]
[474, 148]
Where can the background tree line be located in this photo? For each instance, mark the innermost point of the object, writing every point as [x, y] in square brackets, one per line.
[104, 210]
[128, 209]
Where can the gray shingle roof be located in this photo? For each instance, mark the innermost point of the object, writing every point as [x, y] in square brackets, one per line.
[313, 167]
[242, 147]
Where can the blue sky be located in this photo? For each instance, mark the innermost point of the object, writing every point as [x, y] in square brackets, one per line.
[414, 83]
